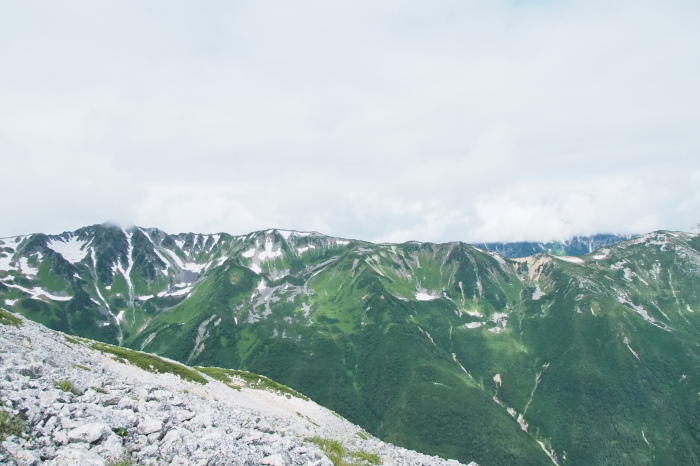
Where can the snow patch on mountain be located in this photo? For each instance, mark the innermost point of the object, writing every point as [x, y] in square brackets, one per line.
[538, 293]
[501, 321]
[270, 251]
[175, 258]
[473, 325]
[194, 267]
[157, 252]
[38, 293]
[180, 291]
[126, 272]
[303, 249]
[27, 269]
[73, 249]
[285, 234]
[6, 263]
[423, 296]
[602, 254]
[572, 259]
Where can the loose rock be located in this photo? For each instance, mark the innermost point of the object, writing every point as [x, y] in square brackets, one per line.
[118, 412]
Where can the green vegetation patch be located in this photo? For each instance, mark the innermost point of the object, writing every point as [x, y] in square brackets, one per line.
[340, 456]
[6, 318]
[334, 450]
[151, 363]
[75, 341]
[366, 457]
[67, 386]
[249, 380]
[11, 425]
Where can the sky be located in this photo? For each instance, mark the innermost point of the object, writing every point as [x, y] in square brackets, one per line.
[385, 121]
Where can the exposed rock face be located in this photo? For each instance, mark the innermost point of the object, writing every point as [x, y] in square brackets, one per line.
[83, 407]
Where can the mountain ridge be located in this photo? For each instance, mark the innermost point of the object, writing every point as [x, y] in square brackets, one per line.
[578, 245]
[506, 248]
[400, 338]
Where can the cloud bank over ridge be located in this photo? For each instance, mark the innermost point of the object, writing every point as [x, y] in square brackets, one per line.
[385, 121]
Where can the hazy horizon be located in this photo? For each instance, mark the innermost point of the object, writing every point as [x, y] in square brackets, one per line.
[383, 121]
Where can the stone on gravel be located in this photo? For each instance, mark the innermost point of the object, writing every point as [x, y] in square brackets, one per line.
[274, 460]
[89, 433]
[76, 456]
[148, 425]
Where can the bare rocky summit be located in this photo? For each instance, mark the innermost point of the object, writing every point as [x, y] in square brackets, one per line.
[65, 402]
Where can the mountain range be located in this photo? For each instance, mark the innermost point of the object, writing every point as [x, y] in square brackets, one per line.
[575, 246]
[448, 349]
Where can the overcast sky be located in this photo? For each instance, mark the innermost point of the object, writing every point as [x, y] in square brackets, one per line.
[377, 120]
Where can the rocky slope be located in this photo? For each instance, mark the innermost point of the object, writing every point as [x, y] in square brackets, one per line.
[65, 402]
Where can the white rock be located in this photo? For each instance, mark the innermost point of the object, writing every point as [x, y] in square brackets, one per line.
[27, 458]
[111, 449]
[151, 451]
[89, 433]
[60, 437]
[202, 420]
[274, 460]
[51, 423]
[160, 395]
[69, 424]
[118, 418]
[11, 447]
[148, 425]
[127, 403]
[180, 415]
[76, 456]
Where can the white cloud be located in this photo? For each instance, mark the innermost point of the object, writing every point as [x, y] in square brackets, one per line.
[379, 120]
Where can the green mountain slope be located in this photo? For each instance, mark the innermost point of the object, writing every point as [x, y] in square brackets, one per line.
[442, 348]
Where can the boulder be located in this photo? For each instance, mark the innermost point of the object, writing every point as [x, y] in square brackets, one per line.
[89, 433]
[78, 456]
[274, 460]
[148, 425]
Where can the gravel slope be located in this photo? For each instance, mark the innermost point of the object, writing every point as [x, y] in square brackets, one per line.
[114, 411]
